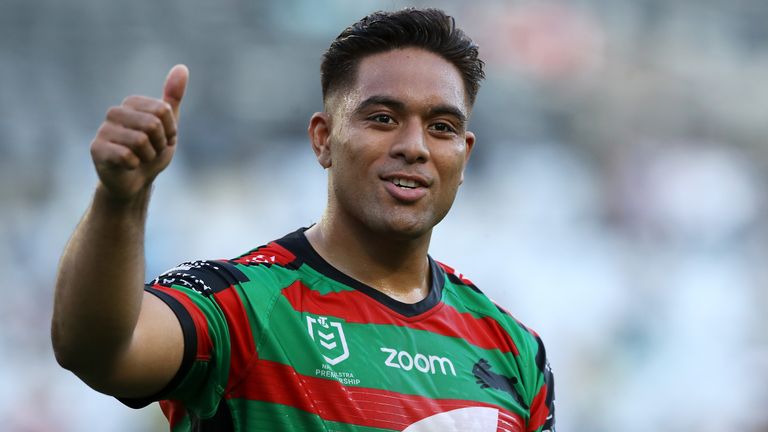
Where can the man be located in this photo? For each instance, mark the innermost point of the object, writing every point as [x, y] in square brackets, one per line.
[347, 325]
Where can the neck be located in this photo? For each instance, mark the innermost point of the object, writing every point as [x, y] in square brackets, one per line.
[398, 267]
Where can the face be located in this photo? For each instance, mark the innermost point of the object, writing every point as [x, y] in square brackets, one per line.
[395, 143]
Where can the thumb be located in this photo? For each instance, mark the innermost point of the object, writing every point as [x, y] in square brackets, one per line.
[175, 85]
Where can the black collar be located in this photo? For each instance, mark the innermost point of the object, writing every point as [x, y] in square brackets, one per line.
[297, 243]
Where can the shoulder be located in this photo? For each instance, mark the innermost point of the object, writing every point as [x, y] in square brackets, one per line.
[462, 294]
[263, 266]
[204, 276]
[527, 347]
[287, 252]
[272, 253]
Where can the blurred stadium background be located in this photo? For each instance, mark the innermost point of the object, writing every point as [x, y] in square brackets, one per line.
[613, 201]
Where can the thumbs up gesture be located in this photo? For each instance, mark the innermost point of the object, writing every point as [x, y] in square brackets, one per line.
[138, 138]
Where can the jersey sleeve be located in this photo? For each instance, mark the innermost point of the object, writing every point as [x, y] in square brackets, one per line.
[542, 407]
[190, 291]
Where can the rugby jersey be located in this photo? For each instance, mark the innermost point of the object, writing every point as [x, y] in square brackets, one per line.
[278, 339]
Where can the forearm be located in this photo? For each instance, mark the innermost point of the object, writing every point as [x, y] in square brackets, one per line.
[100, 281]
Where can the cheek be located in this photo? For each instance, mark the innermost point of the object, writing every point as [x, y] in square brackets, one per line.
[350, 168]
[452, 164]
[360, 153]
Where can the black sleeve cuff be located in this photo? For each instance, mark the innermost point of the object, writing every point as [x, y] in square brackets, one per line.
[190, 348]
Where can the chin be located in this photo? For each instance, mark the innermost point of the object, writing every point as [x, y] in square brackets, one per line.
[408, 233]
[407, 228]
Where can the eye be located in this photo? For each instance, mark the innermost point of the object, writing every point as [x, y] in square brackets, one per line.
[382, 118]
[443, 127]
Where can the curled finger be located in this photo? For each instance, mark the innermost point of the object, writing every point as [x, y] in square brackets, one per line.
[156, 107]
[141, 121]
[114, 155]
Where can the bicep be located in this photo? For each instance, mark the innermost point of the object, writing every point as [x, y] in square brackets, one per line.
[154, 354]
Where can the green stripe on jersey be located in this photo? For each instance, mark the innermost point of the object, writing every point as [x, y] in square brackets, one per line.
[418, 363]
[395, 358]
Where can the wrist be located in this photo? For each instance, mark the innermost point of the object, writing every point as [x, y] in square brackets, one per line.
[135, 203]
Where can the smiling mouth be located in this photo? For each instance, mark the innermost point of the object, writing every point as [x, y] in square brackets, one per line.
[405, 183]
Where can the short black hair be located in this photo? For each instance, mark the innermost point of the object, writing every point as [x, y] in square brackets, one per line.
[429, 29]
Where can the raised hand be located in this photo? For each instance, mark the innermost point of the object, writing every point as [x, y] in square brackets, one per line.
[104, 324]
[138, 138]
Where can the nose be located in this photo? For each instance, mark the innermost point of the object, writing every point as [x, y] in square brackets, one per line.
[411, 143]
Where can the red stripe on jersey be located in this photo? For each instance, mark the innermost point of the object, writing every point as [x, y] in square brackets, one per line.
[272, 253]
[204, 344]
[242, 347]
[508, 422]
[449, 269]
[539, 409]
[278, 383]
[174, 411]
[443, 319]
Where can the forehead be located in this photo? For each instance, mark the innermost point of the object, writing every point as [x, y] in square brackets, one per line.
[411, 75]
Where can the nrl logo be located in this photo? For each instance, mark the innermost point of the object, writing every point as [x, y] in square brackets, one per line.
[330, 337]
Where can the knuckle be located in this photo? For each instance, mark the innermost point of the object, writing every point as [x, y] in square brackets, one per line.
[161, 108]
[143, 147]
[114, 112]
[154, 126]
[105, 131]
[135, 139]
[142, 140]
[128, 100]
[126, 157]
[101, 131]
[94, 149]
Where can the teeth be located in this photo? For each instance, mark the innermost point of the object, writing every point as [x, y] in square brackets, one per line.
[404, 183]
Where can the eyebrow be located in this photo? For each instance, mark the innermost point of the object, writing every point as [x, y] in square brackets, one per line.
[396, 105]
[448, 110]
[381, 100]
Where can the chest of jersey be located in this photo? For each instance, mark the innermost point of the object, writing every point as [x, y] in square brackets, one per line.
[344, 362]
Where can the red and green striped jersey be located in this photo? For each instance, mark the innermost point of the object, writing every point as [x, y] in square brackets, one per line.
[279, 340]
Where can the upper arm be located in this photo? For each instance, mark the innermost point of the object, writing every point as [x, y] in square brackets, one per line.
[181, 344]
[153, 356]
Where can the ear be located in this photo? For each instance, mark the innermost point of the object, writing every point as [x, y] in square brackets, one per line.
[319, 132]
[469, 143]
